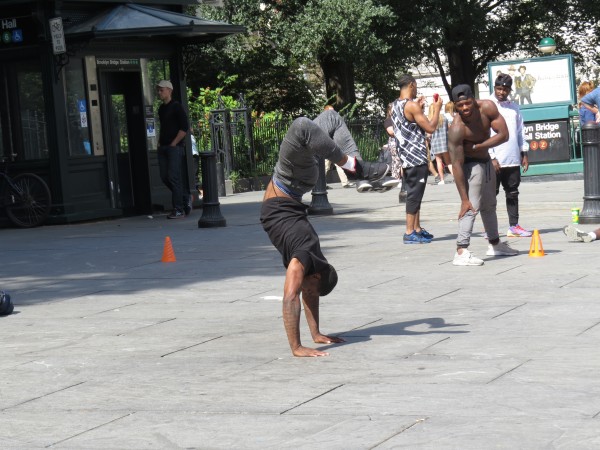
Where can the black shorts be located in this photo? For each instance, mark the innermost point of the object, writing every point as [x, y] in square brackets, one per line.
[415, 179]
[286, 222]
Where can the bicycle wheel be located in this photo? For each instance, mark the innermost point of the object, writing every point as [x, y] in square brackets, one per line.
[32, 201]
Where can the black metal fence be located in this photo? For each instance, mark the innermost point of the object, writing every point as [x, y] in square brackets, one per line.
[251, 147]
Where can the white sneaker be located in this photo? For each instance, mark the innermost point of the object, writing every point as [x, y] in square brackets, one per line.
[441, 182]
[466, 258]
[577, 235]
[364, 186]
[389, 182]
[501, 249]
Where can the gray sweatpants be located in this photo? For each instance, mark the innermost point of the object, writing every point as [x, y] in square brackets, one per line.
[327, 136]
[481, 187]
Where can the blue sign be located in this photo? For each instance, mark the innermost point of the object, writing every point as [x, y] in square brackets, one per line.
[17, 35]
[81, 105]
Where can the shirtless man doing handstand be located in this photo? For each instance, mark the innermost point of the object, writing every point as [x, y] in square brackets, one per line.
[469, 141]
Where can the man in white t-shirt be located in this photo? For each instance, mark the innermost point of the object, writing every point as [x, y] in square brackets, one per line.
[508, 157]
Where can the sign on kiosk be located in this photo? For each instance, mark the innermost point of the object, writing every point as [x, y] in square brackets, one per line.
[58, 36]
[548, 141]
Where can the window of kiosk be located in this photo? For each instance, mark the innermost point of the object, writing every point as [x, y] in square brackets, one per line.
[153, 70]
[77, 109]
[119, 125]
[32, 112]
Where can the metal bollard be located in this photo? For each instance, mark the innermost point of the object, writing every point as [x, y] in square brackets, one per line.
[320, 205]
[590, 213]
[211, 210]
[221, 179]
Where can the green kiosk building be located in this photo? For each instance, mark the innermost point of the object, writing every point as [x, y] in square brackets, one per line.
[545, 90]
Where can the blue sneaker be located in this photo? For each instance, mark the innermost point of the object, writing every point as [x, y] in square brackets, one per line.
[415, 238]
[426, 234]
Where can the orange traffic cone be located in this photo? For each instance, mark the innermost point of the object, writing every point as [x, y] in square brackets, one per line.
[168, 253]
[535, 249]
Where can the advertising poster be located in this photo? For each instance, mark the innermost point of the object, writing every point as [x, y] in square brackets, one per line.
[538, 81]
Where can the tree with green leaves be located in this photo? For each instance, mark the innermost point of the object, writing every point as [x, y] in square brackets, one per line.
[341, 36]
[270, 78]
[460, 37]
[294, 48]
[356, 49]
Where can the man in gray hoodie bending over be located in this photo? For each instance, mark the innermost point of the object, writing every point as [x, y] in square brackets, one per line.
[284, 217]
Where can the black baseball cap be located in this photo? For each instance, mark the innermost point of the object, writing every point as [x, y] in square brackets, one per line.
[503, 80]
[462, 90]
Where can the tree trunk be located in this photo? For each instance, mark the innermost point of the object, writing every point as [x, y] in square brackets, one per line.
[339, 82]
[460, 62]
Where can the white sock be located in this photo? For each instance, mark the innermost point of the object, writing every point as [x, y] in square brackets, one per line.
[592, 235]
[350, 164]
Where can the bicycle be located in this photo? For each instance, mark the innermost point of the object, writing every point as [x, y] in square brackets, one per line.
[25, 198]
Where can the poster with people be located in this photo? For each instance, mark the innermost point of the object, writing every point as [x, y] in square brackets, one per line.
[537, 81]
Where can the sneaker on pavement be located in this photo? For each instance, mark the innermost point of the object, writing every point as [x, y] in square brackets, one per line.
[518, 231]
[415, 238]
[349, 185]
[501, 249]
[441, 182]
[466, 258]
[426, 234]
[176, 214]
[577, 235]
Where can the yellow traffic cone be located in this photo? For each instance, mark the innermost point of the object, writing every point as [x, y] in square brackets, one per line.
[535, 249]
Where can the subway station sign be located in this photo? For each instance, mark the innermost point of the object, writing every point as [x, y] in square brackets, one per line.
[16, 31]
[548, 141]
[118, 63]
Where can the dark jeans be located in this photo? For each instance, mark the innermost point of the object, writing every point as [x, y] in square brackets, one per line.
[510, 179]
[170, 164]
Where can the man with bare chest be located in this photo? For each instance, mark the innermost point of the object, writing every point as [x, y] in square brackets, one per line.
[469, 141]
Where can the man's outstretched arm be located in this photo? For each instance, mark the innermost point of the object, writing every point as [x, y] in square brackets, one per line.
[294, 278]
[457, 155]
[310, 298]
